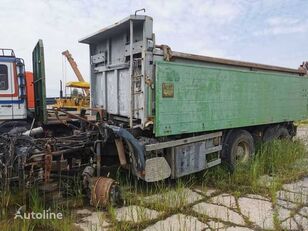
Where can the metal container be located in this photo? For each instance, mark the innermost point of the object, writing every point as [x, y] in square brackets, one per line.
[141, 83]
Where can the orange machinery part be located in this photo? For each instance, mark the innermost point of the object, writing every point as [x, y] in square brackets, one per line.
[30, 90]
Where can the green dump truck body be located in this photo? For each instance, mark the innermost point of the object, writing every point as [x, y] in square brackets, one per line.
[194, 98]
[183, 109]
[145, 84]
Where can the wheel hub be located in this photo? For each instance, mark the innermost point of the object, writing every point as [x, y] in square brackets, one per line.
[242, 153]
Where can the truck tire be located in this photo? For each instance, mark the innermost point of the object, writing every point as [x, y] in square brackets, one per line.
[239, 148]
[276, 132]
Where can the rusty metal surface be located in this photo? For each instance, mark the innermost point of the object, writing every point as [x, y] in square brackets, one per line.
[170, 55]
[167, 90]
[101, 191]
[55, 157]
[121, 152]
[26, 159]
[304, 67]
[73, 116]
[47, 161]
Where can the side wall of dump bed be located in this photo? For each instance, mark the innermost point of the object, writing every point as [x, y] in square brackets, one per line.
[194, 98]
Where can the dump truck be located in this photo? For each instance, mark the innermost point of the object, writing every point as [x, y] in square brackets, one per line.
[155, 112]
[172, 113]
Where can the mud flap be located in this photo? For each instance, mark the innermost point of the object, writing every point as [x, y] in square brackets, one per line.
[156, 169]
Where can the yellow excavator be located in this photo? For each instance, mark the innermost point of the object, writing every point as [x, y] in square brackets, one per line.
[76, 100]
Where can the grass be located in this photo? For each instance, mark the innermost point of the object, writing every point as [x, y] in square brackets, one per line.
[281, 161]
[37, 205]
[34, 201]
[302, 122]
[277, 160]
[166, 197]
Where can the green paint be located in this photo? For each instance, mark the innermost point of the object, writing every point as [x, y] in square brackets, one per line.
[39, 82]
[215, 98]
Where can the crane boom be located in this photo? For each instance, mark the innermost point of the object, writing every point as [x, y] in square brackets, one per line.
[74, 66]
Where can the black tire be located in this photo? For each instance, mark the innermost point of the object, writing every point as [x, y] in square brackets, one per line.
[276, 132]
[239, 148]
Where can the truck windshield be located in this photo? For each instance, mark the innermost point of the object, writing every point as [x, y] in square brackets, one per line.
[3, 77]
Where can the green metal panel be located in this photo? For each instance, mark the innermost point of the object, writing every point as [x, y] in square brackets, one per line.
[39, 82]
[194, 98]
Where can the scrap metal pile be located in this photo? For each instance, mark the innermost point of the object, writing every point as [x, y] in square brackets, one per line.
[25, 160]
[39, 157]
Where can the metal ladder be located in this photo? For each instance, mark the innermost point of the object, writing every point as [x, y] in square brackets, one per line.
[136, 79]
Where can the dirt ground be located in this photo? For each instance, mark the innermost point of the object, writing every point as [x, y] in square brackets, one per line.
[210, 209]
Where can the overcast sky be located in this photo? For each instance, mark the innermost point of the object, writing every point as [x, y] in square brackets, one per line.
[266, 31]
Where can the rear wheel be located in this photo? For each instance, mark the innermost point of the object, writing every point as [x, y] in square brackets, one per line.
[283, 133]
[239, 148]
[276, 132]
